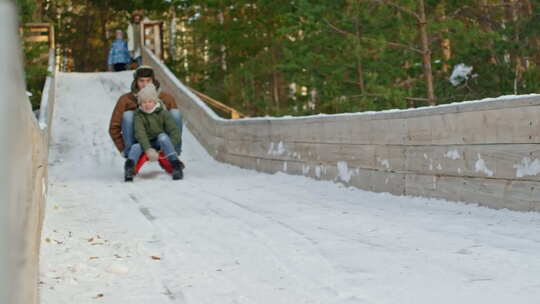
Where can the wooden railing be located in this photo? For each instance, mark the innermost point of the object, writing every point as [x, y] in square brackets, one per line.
[219, 105]
[39, 32]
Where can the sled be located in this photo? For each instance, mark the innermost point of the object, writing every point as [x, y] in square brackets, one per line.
[163, 161]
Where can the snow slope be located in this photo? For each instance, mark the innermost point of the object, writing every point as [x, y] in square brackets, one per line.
[228, 235]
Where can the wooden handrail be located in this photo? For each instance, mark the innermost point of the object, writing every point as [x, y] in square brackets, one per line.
[219, 105]
[40, 29]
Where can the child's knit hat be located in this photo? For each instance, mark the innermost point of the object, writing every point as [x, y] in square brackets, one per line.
[147, 93]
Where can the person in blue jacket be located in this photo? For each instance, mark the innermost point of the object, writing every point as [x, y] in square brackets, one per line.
[119, 57]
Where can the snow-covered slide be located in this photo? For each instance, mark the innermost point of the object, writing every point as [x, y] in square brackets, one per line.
[228, 235]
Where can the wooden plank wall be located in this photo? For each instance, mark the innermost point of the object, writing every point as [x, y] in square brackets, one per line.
[486, 153]
[23, 163]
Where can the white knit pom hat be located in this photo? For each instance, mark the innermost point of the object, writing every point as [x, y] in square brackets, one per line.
[149, 92]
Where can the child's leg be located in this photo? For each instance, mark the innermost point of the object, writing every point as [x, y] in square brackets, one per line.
[164, 143]
[166, 146]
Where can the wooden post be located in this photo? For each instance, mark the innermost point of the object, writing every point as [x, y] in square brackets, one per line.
[51, 37]
[39, 32]
[154, 38]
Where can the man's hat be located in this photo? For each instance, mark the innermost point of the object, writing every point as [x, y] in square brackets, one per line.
[144, 71]
[137, 13]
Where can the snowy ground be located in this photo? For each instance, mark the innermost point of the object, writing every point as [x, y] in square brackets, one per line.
[227, 235]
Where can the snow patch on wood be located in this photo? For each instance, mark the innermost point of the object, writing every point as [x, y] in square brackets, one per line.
[277, 150]
[527, 167]
[343, 171]
[480, 166]
[384, 162]
[453, 155]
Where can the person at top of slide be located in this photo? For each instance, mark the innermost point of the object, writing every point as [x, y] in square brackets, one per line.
[134, 36]
[121, 127]
[119, 57]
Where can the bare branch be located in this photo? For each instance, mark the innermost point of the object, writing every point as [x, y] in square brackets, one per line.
[417, 98]
[366, 95]
[395, 44]
[406, 82]
[398, 7]
[514, 4]
[337, 29]
[390, 43]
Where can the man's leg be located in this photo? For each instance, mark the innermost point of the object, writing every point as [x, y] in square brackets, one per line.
[177, 116]
[133, 156]
[135, 153]
[127, 131]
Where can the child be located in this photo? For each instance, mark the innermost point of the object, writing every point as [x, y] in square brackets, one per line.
[155, 129]
[119, 56]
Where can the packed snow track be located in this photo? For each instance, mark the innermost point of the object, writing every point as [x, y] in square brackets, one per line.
[228, 235]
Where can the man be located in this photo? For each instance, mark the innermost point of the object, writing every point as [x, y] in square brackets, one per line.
[121, 125]
[134, 37]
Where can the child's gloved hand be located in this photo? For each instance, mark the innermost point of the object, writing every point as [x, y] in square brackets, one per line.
[152, 155]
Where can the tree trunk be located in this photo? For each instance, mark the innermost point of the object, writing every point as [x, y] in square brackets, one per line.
[426, 52]
[515, 60]
[359, 67]
[82, 62]
[445, 41]
[104, 35]
[487, 28]
[360, 72]
[275, 84]
[38, 13]
[277, 88]
[223, 48]
[172, 35]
